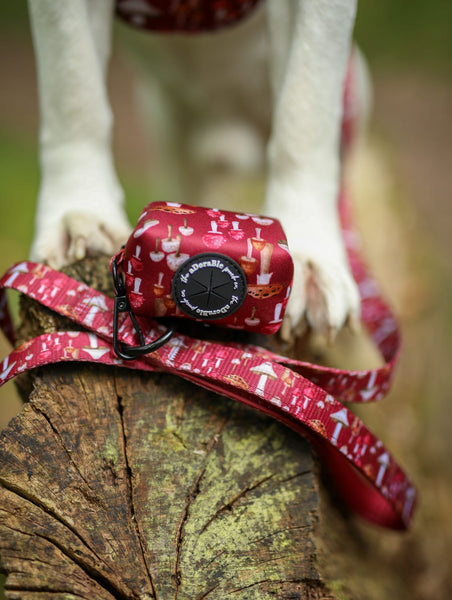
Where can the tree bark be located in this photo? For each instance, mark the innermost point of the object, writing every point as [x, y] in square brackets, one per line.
[124, 485]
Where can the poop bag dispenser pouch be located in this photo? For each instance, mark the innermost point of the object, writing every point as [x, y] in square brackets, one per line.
[229, 269]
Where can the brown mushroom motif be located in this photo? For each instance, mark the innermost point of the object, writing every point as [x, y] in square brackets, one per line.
[264, 277]
[245, 357]
[185, 229]
[287, 378]
[177, 258]
[170, 244]
[265, 370]
[248, 262]
[235, 362]
[319, 427]
[157, 255]
[237, 381]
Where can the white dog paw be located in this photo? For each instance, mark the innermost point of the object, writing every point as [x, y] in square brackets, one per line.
[77, 234]
[324, 294]
[324, 297]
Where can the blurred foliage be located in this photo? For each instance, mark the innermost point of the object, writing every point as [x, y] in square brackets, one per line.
[415, 34]
[13, 15]
[18, 181]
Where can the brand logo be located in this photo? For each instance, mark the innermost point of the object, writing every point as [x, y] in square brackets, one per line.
[209, 286]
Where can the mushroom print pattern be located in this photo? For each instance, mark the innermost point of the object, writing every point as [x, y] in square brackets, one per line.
[341, 419]
[265, 372]
[303, 396]
[183, 15]
[168, 235]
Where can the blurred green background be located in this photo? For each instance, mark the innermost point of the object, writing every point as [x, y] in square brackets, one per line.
[409, 48]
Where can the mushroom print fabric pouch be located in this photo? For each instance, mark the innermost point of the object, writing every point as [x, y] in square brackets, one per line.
[228, 269]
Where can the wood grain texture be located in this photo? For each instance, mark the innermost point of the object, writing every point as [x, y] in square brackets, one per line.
[119, 485]
[123, 485]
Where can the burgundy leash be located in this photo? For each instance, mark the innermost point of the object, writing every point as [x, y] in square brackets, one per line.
[305, 397]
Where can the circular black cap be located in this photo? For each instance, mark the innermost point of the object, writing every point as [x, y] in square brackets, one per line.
[209, 286]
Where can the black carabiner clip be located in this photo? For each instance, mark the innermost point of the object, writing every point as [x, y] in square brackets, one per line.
[122, 305]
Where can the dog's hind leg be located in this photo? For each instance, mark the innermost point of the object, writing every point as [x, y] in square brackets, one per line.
[80, 199]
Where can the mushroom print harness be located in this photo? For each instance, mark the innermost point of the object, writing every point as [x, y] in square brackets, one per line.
[232, 270]
[187, 16]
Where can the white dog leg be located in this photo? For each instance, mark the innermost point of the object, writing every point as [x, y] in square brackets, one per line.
[304, 165]
[80, 199]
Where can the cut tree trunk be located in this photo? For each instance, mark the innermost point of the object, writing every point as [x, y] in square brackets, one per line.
[123, 485]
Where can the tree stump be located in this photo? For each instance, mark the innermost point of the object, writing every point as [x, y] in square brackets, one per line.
[123, 485]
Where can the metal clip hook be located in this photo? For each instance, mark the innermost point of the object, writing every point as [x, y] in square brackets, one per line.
[122, 305]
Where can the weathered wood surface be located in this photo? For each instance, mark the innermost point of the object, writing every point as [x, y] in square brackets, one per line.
[121, 485]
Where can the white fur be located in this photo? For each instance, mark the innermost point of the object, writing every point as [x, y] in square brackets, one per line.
[227, 112]
[80, 199]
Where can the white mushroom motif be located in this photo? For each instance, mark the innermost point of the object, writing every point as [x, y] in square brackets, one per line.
[94, 350]
[341, 420]
[384, 461]
[176, 344]
[185, 229]
[235, 362]
[18, 269]
[265, 370]
[97, 305]
[143, 228]
[5, 369]
[245, 357]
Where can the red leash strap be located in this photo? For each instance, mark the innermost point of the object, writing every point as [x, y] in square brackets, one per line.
[303, 396]
[364, 472]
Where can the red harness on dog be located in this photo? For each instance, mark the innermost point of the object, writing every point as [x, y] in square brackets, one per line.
[183, 16]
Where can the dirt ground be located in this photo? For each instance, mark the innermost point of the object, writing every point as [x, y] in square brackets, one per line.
[410, 246]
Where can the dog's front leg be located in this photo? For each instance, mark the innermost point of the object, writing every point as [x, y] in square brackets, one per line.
[80, 199]
[310, 49]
